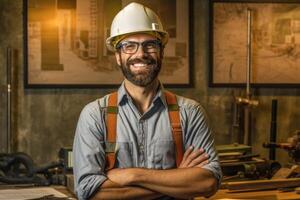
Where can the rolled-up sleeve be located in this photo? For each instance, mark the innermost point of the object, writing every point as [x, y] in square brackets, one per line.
[88, 152]
[198, 133]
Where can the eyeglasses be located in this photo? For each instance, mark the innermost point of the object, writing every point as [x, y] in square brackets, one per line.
[131, 47]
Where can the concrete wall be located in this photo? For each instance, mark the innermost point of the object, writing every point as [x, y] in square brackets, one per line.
[45, 119]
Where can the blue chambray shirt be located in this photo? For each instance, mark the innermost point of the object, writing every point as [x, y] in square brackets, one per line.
[143, 141]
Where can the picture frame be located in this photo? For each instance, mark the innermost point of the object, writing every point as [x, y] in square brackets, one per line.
[65, 48]
[275, 43]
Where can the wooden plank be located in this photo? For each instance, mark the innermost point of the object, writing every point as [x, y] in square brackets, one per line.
[233, 148]
[253, 161]
[31, 193]
[282, 173]
[253, 195]
[229, 154]
[263, 184]
[287, 172]
[236, 156]
[296, 169]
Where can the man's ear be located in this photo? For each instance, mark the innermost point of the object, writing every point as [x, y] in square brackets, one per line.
[118, 58]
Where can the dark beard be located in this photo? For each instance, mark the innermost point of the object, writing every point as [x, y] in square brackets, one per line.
[141, 79]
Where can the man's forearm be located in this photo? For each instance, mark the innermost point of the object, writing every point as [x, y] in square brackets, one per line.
[182, 183]
[179, 183]
[110, 190]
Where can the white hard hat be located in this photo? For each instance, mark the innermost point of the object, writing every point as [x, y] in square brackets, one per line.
[135, 18]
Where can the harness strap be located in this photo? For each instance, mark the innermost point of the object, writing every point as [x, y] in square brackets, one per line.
[176, 126]
[111, 126]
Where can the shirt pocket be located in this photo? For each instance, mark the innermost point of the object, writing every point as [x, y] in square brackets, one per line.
[164, 155]
[124, 155]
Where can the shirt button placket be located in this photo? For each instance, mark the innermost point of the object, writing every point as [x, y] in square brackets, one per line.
[141, 145]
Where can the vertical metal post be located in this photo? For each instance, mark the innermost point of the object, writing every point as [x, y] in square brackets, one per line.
[247, 116]
[273, 130]
[9, 58]
[249, 51]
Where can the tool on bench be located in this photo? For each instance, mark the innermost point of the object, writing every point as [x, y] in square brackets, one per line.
[292, 146]
[19, 168]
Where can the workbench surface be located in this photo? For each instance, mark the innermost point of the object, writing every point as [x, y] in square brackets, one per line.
[254, 195]
[20, 192]
[221, 194]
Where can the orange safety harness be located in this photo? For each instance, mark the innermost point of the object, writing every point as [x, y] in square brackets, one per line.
[111, 128]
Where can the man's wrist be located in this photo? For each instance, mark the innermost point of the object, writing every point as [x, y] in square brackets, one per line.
[136, 175]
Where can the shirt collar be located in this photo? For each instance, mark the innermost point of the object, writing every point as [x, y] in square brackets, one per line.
[122, 93]
[160, 96]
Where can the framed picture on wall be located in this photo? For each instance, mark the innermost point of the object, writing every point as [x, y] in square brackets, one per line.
[275, 43]
[65, 43]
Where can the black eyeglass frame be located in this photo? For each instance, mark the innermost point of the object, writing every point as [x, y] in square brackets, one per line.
[143, 44]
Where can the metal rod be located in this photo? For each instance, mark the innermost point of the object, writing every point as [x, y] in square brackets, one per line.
[249, 53]
[8, 82]
[246, 125]
[247, 118]
[273, 130]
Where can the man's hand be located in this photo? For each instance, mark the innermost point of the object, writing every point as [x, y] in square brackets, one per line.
[122, 177]
[196, 158]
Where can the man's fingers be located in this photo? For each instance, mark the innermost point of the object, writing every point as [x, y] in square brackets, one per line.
[203, 163]
[187, 152]
[199, 160]
[194, 155]
[194, 158]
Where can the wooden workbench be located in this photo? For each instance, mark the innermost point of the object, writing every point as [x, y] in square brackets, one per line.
[254, 195]
[221, 194]
[14, 190]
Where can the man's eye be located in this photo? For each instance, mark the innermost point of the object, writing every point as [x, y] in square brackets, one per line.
[150, 45]
[130, 46]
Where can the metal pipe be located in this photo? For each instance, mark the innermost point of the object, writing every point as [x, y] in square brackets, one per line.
[247, 118]
[249, 51]
[273, 130]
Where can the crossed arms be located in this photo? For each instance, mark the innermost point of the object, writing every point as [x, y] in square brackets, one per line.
[188, 180]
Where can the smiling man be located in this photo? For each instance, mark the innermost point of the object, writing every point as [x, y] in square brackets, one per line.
[143, 142]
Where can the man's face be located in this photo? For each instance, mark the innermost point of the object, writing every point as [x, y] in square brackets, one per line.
[140, 57]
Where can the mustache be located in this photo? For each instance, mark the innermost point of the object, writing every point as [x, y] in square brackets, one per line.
[148, 61]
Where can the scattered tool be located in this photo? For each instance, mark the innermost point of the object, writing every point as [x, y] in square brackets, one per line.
[19, 168]
[292, 146]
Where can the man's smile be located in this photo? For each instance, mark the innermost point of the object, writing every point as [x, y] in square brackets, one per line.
[140, 67]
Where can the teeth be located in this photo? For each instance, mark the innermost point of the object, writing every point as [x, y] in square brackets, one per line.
[139, 65]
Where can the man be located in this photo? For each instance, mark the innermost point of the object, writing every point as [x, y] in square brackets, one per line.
[146, 150]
